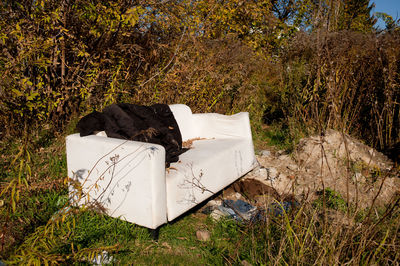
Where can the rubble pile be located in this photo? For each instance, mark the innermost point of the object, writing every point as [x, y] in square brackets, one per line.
[336, 161]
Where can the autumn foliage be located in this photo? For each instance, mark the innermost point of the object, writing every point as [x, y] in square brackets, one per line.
[323, 65]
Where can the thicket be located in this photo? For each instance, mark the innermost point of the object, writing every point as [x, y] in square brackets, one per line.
[345, 80]
[60, 59]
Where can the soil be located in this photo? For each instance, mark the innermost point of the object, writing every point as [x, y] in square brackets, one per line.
[336, 161]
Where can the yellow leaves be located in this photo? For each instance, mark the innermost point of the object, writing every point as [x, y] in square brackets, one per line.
[13, 204]
[40, 3]
[3, 37]
[32, 96]
[17, 92]
[96, 33]
[15, 187]
[249, 19]
[83, 53]
[131, 17]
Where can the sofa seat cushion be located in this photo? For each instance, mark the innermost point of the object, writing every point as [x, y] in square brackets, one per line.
[209, 166]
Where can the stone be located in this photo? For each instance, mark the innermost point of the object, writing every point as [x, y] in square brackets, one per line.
[265, 153]
[217, 214]
[272, 173]
[263, 173]
[102, 259]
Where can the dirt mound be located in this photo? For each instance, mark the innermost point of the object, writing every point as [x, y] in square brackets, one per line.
[336, 161]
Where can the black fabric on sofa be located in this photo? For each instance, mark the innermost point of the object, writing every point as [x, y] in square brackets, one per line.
[153, 124]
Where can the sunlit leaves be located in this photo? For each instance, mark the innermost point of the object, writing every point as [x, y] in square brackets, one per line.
[390, 23]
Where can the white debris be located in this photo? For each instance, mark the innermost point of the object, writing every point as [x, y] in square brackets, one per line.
[265, 153]
[102, 259]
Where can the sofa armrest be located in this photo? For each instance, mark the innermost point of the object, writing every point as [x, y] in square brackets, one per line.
[212, 125]
[127, 178]
[184, 117]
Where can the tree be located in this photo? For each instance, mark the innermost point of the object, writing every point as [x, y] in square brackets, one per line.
[391, 25]
[334, 15]
[284, 10]
[356, 15]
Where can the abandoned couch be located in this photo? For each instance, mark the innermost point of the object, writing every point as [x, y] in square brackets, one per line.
[128, 179]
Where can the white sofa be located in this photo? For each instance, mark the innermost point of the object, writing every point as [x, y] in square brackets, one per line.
[129, 179]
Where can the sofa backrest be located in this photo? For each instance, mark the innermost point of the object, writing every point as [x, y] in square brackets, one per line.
[183, 116]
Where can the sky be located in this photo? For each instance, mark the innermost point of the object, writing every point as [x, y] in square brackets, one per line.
[390, 7]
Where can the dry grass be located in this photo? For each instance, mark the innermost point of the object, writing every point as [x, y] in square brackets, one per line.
[347, 81]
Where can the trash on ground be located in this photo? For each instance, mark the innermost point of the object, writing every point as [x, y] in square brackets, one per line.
[61, 212]
[243, 211]
[102, 259]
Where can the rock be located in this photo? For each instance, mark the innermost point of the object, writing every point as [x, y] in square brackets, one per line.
[217, 214]
[230, 193]
[203, 235]
[263, 173]
[263, 200]
[237, 195]
[265, 153]
[272, 173]
[214, 203]
[360, 178]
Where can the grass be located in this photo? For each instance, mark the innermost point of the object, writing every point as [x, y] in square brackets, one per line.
[279, 135]
[331, 199]
[308, 234]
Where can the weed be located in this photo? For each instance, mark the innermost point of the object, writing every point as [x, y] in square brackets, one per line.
[330, 199]
[278, 135]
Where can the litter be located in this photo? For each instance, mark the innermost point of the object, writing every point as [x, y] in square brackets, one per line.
[60, 213]
[243, 211]
[278, 209]
[102, 259]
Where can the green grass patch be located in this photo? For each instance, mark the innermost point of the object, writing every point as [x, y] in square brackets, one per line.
[277, 135]
[333, 200]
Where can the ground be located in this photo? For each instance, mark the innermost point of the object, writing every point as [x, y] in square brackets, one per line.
[334, 161]
[322, 224]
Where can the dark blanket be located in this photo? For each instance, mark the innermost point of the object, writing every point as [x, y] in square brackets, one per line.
[153, 124]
